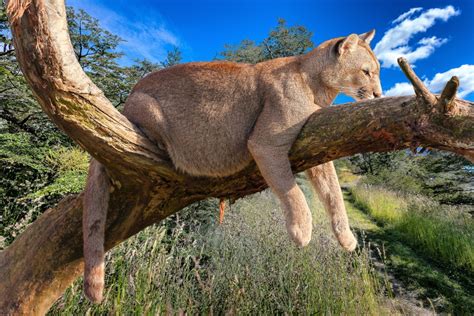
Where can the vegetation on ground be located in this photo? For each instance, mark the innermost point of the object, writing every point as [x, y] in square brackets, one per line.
[413, 257]
[441, 176]
[245, 265]
[445, 233]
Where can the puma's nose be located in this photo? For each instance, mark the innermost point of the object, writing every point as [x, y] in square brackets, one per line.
[377, 94]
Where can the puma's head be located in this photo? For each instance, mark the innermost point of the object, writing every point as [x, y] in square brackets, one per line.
[354, 70]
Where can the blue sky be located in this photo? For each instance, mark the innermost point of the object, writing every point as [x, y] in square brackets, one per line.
[436, 36]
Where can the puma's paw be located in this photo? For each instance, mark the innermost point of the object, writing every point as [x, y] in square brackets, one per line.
[300, 233]
[348, 241]
[93, 291]
[94, 284]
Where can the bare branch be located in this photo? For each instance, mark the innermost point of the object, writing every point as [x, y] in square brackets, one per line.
[420, 88]
[446, 100]
[7, 52]
[21, 124]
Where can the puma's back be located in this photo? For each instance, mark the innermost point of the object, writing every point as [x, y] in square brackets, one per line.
[202, 113]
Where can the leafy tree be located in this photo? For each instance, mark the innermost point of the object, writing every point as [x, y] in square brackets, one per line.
[375, 163]
[282, 41]
[6, 44]
[447, 177]
[173, 57]
[443, 176]
[246, 51]
[286, 41]
[94, 46]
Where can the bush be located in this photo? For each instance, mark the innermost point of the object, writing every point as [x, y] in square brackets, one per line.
[33, 178]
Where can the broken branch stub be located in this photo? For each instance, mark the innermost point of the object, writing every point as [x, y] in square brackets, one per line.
[420, 89]
[445, 103]
[447, 97]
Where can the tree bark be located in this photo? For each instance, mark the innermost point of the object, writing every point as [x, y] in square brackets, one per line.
[43, 261]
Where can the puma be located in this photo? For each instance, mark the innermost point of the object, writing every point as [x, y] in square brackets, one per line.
[214, 118]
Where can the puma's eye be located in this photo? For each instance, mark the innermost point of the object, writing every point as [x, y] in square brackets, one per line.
[366, 72]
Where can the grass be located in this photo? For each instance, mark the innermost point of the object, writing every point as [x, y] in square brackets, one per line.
[384, 206]
[445, 234]
[415, 278]
[245, 266]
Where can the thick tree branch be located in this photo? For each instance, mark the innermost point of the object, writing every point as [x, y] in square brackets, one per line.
[47, 257]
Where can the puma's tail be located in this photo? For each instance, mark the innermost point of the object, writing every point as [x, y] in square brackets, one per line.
[96, 203]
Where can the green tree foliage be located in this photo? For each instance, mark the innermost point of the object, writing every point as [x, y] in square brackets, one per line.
[246, 51]
[173, 57]
[96, 51]
[443, 176]
[94, 46]
[286, 41]
[282, 41]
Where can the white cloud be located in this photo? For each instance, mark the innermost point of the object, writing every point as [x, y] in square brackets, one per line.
[465, 73]
[145, 35]
[395, 42]
[406, 15]
[400, 88]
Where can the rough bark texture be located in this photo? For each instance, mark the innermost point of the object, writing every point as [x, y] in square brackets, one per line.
[47, 257]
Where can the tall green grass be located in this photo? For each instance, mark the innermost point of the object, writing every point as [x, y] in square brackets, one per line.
[384, 206]
[444, 233]
[245, 266]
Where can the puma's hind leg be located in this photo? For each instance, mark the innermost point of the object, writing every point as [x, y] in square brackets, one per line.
[325, 182]
[95, 205]
[275, 168]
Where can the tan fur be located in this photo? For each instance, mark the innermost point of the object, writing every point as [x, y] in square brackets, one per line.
[96, 201]
[214, 118]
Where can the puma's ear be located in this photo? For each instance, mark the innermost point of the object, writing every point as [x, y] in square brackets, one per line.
[367, 37]
[348, 44]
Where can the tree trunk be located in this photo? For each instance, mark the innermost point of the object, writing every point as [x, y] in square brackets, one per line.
[43, 261]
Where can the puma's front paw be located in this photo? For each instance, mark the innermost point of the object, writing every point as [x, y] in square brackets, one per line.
[300, 230]
[347, 240]
[301, 237]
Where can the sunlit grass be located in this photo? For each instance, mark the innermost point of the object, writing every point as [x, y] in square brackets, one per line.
[245, 266]
[346, 176]
[444, 233]
[383, 205]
